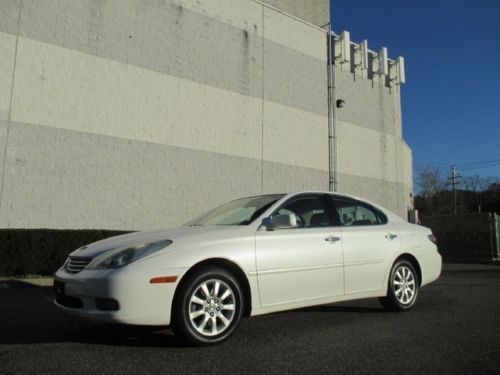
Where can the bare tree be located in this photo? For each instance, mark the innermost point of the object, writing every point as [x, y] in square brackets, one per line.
[430, 179]
[472, 183]
[477, 183]
[482, 186]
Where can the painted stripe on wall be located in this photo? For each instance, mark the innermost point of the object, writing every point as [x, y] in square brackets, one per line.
[59, 178]
[64, 88]
[168, 38]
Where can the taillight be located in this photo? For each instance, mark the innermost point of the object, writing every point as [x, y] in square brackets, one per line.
[432, 238]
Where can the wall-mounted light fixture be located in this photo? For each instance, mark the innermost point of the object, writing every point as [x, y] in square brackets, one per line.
[340, 103]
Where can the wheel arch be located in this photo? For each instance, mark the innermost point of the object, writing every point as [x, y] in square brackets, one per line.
[230, 267]
[414, 262]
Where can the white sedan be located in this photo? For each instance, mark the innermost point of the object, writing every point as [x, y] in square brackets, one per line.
[251, 256]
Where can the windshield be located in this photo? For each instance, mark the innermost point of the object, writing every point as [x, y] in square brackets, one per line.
[238, 212]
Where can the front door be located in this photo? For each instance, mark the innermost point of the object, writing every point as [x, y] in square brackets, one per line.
[304, 262]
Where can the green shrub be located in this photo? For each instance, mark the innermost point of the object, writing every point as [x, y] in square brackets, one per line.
[42, 251]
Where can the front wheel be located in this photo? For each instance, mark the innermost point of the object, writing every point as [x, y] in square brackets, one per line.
[402, 288]
[209, 307]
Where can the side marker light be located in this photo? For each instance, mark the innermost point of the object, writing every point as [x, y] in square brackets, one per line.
[163, 280]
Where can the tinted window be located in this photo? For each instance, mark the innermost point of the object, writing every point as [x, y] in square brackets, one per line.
[310, 211]
[353, 213]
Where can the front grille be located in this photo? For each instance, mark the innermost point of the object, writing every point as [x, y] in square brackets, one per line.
[76, 264]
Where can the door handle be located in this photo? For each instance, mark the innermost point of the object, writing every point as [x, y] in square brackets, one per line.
[391, 236]
[332, 239]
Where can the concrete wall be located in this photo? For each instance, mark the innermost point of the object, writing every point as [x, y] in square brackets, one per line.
[407, 164]
[374, 161]
[140, 114]
[316, 12]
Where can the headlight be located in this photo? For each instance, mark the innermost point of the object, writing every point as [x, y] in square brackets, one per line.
[122, 256]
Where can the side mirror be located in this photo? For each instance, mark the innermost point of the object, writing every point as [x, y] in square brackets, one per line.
[267, 223]
[281, 221]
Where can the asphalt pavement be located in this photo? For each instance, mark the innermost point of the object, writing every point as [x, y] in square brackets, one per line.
[454, 328]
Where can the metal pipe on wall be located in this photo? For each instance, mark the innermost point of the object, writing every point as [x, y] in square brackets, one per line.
[332, 118]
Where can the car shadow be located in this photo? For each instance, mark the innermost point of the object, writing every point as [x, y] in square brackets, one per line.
[124, 335]
[345, 309]
[29, 315]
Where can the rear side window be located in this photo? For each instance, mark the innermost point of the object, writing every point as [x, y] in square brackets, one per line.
[356, 213]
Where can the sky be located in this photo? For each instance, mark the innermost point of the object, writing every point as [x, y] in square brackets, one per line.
[451, 99]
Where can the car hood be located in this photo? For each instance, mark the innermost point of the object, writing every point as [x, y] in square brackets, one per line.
[180, 237]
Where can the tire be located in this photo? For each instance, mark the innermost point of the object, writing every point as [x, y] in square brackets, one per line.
[402, 288]
[209, 307]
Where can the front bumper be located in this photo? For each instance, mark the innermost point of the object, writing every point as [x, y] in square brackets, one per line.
[137, 300]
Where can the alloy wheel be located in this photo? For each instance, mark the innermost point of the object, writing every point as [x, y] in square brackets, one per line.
[404, 284]
[212, 307]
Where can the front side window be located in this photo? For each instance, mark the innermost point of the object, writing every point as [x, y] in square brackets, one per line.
[310, 211]
[355, 213]
[238, 212]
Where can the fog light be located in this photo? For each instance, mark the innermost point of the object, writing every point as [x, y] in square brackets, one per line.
[106, 304]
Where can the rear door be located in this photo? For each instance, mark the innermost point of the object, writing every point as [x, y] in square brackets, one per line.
[369, 243]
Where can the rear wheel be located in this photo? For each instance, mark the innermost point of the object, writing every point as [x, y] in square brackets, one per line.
[402, 288]
[209, 307]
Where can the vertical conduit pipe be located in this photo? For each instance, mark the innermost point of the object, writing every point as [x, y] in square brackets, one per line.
[332, 117]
